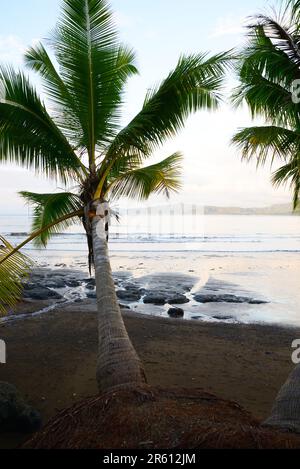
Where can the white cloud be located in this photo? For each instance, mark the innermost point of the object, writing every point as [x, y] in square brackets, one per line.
[229, 26]
[11, 49]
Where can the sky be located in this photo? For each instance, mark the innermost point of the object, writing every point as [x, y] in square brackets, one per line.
[159, 31]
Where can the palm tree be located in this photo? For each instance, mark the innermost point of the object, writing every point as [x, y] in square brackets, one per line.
[77, 139]
[269, 73]
[269, 69]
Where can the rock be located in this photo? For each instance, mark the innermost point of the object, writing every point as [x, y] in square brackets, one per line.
[41, 293]
[217, 291]
[91, 282]
[225, 298]
[132, 288]
[258, 302]
[155, 299]
[176, 313]
[178, 300]
[124, 306]
[223, 318]
[56, 283]
[92, 295]
[129, 296]
[73, 283]
[15, 415]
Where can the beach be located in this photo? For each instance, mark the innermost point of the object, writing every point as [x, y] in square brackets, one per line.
[239, 314]
[52, 358]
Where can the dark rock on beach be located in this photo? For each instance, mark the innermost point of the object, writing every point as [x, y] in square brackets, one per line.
[92, 295]
[167, 288]
[56, 282]
[72, 283]
[90, 282]
[176, 313]
[155, 299]
[164, 297]
[223, 318]
[15, 414]
[225, 298]
[127, 295]
[36, 292]
[178, 300]
[216, 291]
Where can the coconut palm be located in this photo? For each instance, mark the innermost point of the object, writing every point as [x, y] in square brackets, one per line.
[269, 73]
[268, 70]
[77, 139]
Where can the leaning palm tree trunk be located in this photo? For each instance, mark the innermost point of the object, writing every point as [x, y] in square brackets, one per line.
[286, 410]
[118, 364]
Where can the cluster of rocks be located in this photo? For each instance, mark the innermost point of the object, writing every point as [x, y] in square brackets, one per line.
[216, 291]
[226, 298]
[15, 415]
[43, 284]
[163, 290]
[166, 289]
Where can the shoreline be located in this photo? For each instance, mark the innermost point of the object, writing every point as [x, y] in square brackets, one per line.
[52, 359]
[234, 290]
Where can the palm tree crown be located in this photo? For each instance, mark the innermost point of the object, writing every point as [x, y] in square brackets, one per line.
[268, 70]
[77, 138]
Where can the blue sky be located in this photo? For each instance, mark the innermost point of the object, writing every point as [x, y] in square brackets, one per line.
[159, 31]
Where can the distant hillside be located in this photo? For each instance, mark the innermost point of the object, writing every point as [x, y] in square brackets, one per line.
[282, 209]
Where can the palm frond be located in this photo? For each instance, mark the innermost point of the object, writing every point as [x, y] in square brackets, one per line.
[28, 135]
[268, 58]
[289, 174]
[282, 37]
[195, 84]
[94, 68]
[48, 210]
[266, 142]
[162, 177]
[267, 69]
[13, 272]
[66, 112]
[267, 75]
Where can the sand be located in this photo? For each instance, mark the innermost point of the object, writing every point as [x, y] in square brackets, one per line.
[52, 358]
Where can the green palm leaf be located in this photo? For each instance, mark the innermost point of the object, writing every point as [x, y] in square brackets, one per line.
[289, 174]
[66, 115]
[268, 68]
[28, 135]
[268, 141]
[195, 84]
[162, 177]
[94, 68]
[13, 272]
[48, 210]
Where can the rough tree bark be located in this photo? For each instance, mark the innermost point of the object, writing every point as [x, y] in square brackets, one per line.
[118, 363]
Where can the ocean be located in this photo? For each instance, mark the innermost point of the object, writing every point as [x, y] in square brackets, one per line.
[205, 233]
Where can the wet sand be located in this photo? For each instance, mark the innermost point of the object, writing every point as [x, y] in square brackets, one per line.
[52, 358]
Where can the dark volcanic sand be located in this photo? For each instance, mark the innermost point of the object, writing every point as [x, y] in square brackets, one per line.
[52, 358]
